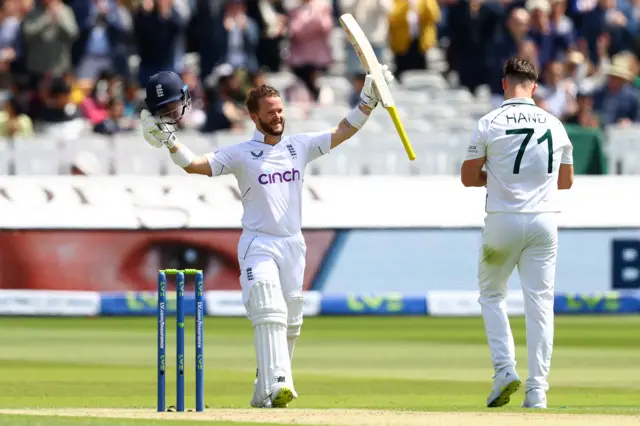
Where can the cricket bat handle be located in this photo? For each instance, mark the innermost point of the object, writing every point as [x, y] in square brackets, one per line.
[401, 132]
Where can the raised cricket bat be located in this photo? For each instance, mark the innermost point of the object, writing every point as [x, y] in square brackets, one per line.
[371, 65]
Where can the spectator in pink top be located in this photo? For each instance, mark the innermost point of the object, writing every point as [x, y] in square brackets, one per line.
[310, 27]
[96, 106]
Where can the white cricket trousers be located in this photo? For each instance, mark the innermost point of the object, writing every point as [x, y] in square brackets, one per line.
[264, 257]
[530, 242]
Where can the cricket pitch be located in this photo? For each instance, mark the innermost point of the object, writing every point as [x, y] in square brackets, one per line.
[343, 417]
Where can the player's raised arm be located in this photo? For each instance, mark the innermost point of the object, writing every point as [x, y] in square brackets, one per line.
[360, 114]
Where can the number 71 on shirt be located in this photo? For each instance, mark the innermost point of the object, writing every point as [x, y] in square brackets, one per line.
[370, 63]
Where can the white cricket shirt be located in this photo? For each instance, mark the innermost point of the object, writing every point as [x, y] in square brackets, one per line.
[270, 178]
[524, 147]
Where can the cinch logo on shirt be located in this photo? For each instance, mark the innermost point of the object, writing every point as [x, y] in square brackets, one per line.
[277, 177]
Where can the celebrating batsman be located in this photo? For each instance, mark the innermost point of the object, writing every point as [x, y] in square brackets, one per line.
[269, 170]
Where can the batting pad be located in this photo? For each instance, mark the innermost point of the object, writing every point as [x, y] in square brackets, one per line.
[268, 313]
[294, 322]
[294, 316]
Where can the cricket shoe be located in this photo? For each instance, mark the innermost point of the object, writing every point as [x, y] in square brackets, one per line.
[281, 395]
[505, 384]
[535, 398]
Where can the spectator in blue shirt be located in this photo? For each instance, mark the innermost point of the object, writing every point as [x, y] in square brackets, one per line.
[562, 25]
[551, 44]
[614, 19]
[506, 44]
[158, 27]
[102, 44]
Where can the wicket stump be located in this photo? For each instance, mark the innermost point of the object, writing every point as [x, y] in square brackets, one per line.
[162, 337]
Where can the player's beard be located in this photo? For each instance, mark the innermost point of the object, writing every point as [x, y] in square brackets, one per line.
[269, 129]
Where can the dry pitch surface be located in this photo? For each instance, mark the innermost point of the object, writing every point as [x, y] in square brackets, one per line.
[341, 417]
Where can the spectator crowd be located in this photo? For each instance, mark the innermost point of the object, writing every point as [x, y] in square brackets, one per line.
[72, 66]
[586, 51]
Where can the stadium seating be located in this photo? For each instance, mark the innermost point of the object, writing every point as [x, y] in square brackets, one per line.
[439, 119]
[622, 153]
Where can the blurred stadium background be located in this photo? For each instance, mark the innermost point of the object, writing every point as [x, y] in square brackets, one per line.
[71, 74]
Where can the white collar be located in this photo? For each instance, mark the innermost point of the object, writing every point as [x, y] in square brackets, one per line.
[258, 136]
[515, 101]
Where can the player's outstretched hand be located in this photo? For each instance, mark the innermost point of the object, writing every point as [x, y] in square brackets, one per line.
[152, 132]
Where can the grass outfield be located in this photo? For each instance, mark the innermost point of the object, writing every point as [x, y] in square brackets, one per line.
[435, 365]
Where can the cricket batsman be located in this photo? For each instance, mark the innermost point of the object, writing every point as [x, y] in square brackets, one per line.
[269, 169]
[528, 158]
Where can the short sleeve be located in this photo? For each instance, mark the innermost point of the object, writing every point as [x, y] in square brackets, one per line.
[477, 148]
[315, 144]
[567, 154]
[221, 162]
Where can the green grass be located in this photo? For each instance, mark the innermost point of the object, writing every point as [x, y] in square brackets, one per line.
[426, 364]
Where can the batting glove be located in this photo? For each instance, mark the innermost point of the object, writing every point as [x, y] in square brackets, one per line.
[388, 75]
[153, 134]
[369, 95]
